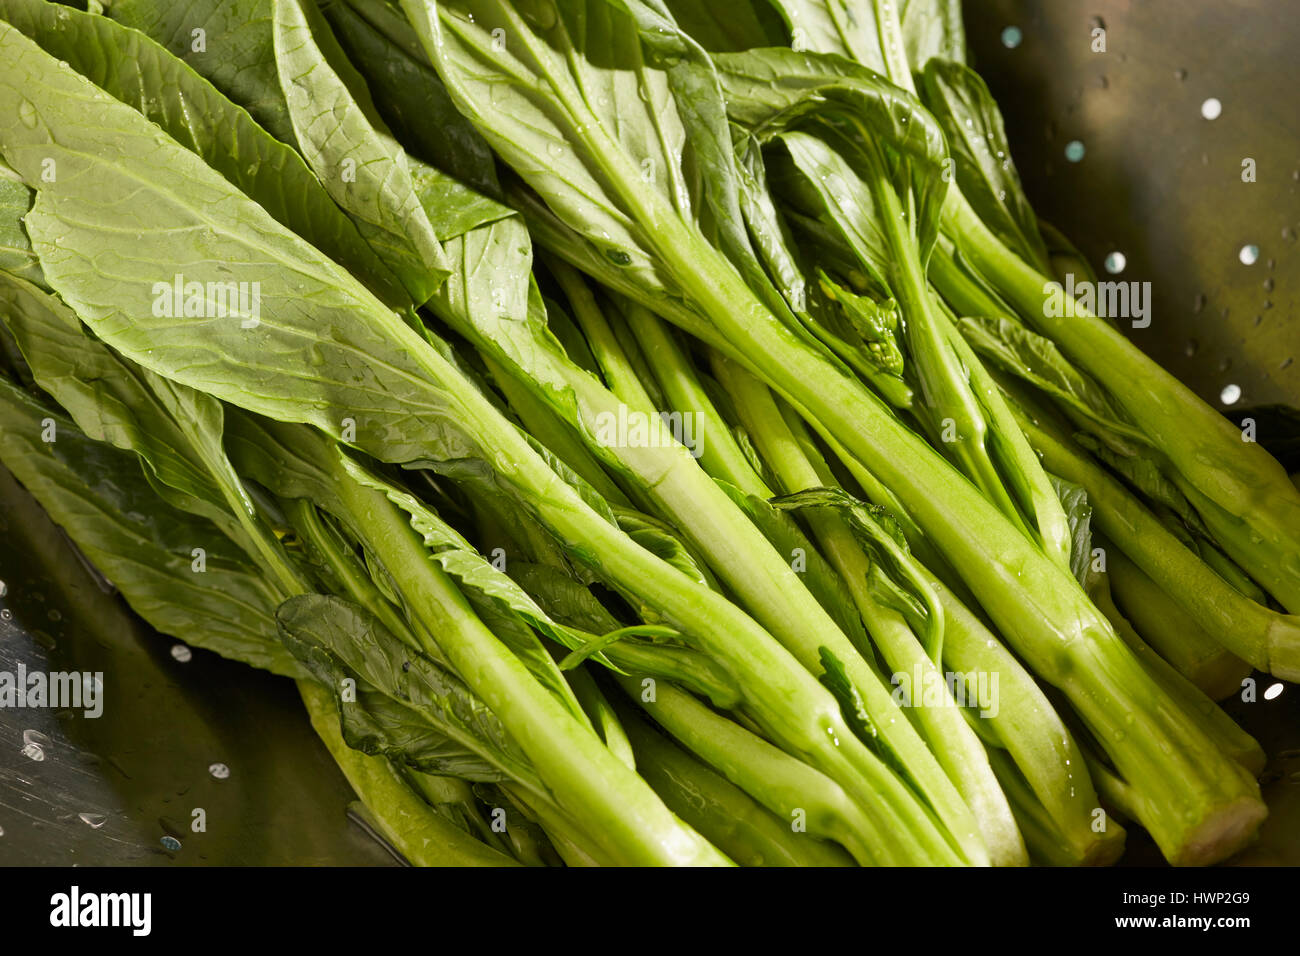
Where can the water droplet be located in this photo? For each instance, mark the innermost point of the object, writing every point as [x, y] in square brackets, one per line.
[93, 820]
[170, 843]
[1074, 150]
[27, 113]
[54, 614]
[1115, 263]
[182, 653]
[1180, 74]
[1190, 348]
[219, 770]
[1211, 108]
[1230, 395]
[4, 589]
[1011, 37]
[34, 745]
[1198, 303]
[1248, 254]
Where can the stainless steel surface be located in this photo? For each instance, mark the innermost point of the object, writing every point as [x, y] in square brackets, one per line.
[109, 790]
[1158, 182]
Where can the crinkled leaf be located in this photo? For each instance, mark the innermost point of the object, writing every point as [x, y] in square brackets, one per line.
[322, 342]
[336, 639]
[1078, 512]
[897, 580]
[176, 431]
[16, 255]
[408, 93]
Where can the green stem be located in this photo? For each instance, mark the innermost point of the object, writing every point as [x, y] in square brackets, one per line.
[1268, 640]
[1209, 716]
[726, 815]
[1172, 632]
[620, 812]
[406, 821]
[721, 457]
[784, 785]
[1260, 520]
[954, 743]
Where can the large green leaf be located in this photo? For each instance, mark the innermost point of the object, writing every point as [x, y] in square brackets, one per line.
[408, 93]
[845, 27]
[322, 345]
[174, 568]
[278, 59]
[932, 28]
[130, 66]
[176, 431]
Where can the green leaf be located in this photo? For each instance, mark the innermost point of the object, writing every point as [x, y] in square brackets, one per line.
[408, 93]
[141, 73]
[836, 680]
[1016, 349]
[359, 163]
[16, 255]
[660, 540]
[834, 26]
[728, 27]
[772, 91]
[897, 580]
[278, 59]
[1078, 512]
[932, 28]
[982, 156]
[318, 328]
[1145, 474]
[448, 728]
[503, 605]
[143, 545]
[176, 431]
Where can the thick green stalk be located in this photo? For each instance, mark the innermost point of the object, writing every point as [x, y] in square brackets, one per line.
[953, 742]
[787, 787]
[1209, 716]
[1265, 638]
[586, 780]
[726, 815]
[545, 425]
[1036, 604]
[1026, 476]
[1255, 510]
[721, 457]
[1171, 631]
